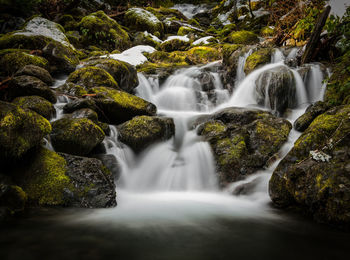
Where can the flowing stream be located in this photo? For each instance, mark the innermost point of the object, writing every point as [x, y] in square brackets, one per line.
[169, 203]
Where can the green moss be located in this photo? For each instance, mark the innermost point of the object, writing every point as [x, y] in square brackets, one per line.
[183, 30]
[175, 45]
[193, 22]
[267, 31]
[213, 129]
[202, 55]
[142, 20]
[243, 37]
[226, 30]
[13, 61]
[256, 59]
[234, 148]
[37, 104]
[19, 41]
[46, 181]
[142, 126]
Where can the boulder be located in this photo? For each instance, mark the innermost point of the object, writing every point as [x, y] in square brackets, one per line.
[12, 198]
[72, 89]
[19, 131]
[144, 38]
[142, 20]
[116, 107]
[314, 177]
[176, 44]
[314, 110]
[80, 103]
[203, 55]
[36, 71]
[257, 59]
[76, 136]
[91, 77]
[243, 37]
[243, 140]
[100, 30]
[52, 179]
[143, 131]
[27, 86]
[37, 104]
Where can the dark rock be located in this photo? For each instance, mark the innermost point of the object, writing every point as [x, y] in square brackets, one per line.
[111, 163]
[36, 71]
[12, 197]
[314, 110]
[80, 103]
[37, 104]
[247, 188]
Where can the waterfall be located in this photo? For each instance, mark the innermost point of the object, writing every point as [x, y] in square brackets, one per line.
[240, 75]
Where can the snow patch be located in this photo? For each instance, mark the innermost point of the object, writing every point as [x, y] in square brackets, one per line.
[190, 10]
[204, 40]
[181, 38]
[154, 38]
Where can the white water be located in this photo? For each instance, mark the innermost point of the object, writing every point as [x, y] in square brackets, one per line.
[175, 181]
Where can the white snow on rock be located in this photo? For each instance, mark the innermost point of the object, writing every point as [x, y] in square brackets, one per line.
[134, 55]
[181, 38]
[320, 156]
[39, 26]
[154, 38]
[145, 15]
[203, 40]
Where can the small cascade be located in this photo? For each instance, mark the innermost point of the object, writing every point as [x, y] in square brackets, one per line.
[316, 86]
[240, 75]
[277, 56]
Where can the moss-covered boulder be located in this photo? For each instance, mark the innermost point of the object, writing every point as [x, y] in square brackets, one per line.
[19, 131]
[52, 179]
[75, 136]
[315, 174]
[202, 55]
[72, 89]
[145, 38]
[267, 31]
[13, 198]
[116, 107]
[37, 104]
[91, 76]
[100, 30]
[26, 86]
[36, 71]
[143, 131]
[13, 61]
[123, 73]
[257, 59]
[142, 20]
[175, 44]
[243, 140]
[314, 110]
[184, 30]
[243, 37]
[80, 103]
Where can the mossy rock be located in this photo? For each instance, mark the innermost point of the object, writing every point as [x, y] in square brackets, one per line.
[52, 179]
[142, 20]
[175, 45]
[227, 51]
[162, 13]
[91, 76]
[257, 59]
[100, 30]
[243, 140]
[123, 73]
[75, 136]
[13, 198]
[203, 55]
[117, 106]
[184, 30]
[143, 131]
[14, 61]
[267, 31]
[72, 89]
[37, 104]
[314, 110]
[314, 176]
[26, 86]
[20, 131]
[144, 38]
[243, 37]
[36, 71]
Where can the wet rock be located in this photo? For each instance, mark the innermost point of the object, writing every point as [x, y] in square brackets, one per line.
[314, 110]
[27, 86]
[175, 45]
[19, 131]
[143, 131]
[36, 71]
[142, 20]
[85, 113]
[257, 59]
[80, 103]
[75, 136]
[37, 104]
[276, 87]
[318, 187]
[202, 55]
[111, 163]
[72, 90]
[52, 179]
[243, 140]
[116, 107]
[247, 188]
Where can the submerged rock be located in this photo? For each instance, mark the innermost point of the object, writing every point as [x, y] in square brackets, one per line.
[19, 131]
[315, 174]
[142, 20]
[243, 140]
[143, 131]
[37, 104]
[76, 136]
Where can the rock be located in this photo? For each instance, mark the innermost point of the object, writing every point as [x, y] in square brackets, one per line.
[111, 163]
[99, 30]
[12, 198]
[143, 131]
[91, 77]
[27, 86]
[314, 110]
[123, 73]
[80, 103]
[247, 188]
[257, 59]
[85, 113]
[203, 18]
[184, 30]
[172, 26]
[243, 140]
[72, 89]
[203, 55]
[52, 179]
[144, 38]
[75, 136]
[142, 20]
[116, 107]
[175, 45]
[279, 85]
[61, 58]
[16, 60]
[319, 187]
[19, 131]
[36, 71]
[37, 104]
[243, 37]
[10, 23]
